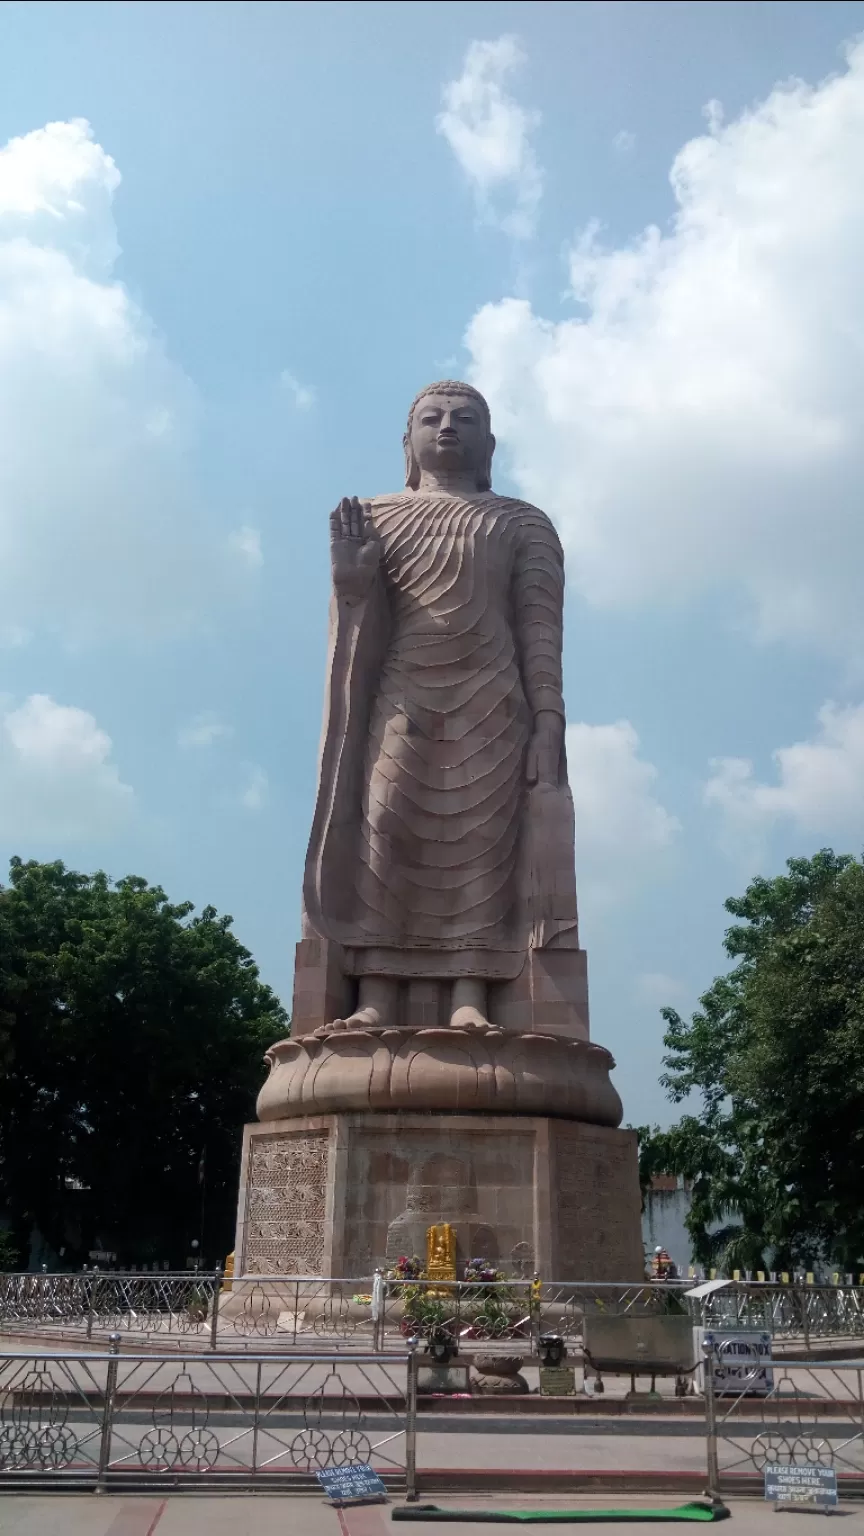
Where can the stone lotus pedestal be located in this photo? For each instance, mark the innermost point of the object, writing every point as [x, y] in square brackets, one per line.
[369, 1137]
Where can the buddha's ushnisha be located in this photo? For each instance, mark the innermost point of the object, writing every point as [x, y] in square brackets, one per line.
[444, 727]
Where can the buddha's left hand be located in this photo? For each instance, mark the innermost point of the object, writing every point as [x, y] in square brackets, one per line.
[543, 761]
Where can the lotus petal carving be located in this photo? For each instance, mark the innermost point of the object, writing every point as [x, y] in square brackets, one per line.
[454, 1070]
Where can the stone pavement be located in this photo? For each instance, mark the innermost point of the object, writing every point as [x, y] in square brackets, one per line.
[575, 1445]
[301, 1515]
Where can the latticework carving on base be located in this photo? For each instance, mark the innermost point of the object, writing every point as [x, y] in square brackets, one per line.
[286, 1204]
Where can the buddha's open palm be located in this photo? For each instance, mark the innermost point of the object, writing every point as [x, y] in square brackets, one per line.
[354, 550]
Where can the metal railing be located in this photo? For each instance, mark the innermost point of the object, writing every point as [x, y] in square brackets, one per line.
[150, 1303]
[374, 1313]
[113, 1420]
[127, 1419]
[803, 1415]
[788, 1311]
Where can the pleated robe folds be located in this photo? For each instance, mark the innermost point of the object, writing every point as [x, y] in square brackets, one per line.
[421, 853]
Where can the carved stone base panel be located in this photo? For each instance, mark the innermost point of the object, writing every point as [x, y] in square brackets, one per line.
[285, 1209]
[340, 1194]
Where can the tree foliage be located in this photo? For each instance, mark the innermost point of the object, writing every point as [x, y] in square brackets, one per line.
[775, 1053]
[131, 1037]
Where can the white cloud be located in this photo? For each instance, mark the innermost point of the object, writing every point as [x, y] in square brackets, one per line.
[203, 730]
[624, 141]
[303, 395]
[699, 425]
[818, 784]
[13, 636]
[655, 989]
[245, 542]
[622, 830]
[100, 522]
[253, 797]
[490, 135]
[57, 777]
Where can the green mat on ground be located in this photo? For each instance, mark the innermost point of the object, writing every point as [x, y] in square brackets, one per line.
[699, 1509]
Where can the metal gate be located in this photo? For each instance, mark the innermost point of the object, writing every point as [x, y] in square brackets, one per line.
[783, 1413]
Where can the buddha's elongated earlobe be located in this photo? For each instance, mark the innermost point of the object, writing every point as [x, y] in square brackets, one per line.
[412, 468]
[485, 481]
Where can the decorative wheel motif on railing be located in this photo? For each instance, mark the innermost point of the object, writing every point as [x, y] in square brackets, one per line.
[33, 1428]
[350, 1447]
[159, 1448]
[311, 1448]
[335, 1322]
[259, 1316]
[770, 1450]
[199, 1450]
[180, 1436]
[316, 1447]
[807, 1450]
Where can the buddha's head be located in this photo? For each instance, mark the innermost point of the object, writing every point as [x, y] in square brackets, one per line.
[449, 429]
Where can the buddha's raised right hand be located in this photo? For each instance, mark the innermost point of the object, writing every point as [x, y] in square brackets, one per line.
[354, 549]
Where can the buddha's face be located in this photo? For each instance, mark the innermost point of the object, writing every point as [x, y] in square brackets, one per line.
[450, 432]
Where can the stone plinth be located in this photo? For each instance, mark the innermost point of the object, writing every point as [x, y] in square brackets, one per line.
[337, 1194]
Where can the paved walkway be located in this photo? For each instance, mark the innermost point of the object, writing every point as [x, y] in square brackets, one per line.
[298, 1515]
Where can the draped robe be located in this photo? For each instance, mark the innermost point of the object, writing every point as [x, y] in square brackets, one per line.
[420, 861]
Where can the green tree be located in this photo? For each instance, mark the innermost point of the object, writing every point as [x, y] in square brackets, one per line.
[131, 1037]
[776, 1055]
[9, 1255]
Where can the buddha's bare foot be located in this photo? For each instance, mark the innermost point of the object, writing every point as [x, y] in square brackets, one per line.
[468, 1003]
[362, 1018]
[469, 1017]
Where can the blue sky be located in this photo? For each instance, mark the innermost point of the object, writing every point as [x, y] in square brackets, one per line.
[216, 303]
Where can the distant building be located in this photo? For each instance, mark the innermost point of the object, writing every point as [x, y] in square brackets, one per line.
[667, 1205]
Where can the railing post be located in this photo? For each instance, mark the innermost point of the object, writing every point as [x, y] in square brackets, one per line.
[713, 1488]
[91, 1286]
[411, 1494]
[214, 1315]
[805, 1299]
[378, 1312]
[257, 1418]
[108, 1412]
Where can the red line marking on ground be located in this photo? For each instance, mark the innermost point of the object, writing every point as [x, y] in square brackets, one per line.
[362, 1520]
[157, 1517]
[130, 1521]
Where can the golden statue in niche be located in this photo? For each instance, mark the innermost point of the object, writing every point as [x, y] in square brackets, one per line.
[441, 1252]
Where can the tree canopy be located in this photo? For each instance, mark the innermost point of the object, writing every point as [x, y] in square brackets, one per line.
[775, 1054]
[131, 1038]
